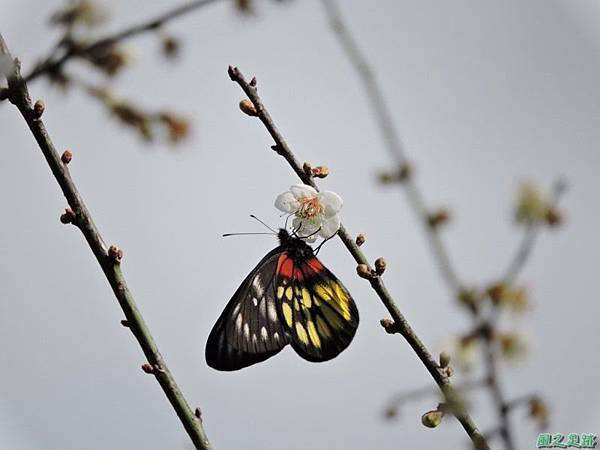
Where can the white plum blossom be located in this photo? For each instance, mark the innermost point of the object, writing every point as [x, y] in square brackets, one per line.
[315, 213]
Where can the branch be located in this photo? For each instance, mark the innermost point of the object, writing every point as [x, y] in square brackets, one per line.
[53, 64]
[530, 235]
[392, 140]
[394, 144]
[515, 267]
[108, 258]
[504, 429]
[400, 322]
[425, 391]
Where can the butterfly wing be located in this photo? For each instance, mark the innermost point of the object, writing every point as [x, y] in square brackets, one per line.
[249, 330]
[316, 307]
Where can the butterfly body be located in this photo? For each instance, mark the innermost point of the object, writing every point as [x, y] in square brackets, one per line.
[288, 298]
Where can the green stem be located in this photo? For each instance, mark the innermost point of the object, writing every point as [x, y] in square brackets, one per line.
[402, 325]
[18, 94]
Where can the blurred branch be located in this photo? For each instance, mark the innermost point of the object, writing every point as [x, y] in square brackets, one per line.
[53, 64]
[108, 258]
[398, 400]
[523, 252]
[392, 140]
[484, 327]
[530, 235]
[504, 428]
[400, 324]
[488, 328]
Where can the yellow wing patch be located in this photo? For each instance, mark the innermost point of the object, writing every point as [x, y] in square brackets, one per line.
[287, 314]
[323, 328]
[318, 310]
[301, 332]
[336, 297]
[312, 332]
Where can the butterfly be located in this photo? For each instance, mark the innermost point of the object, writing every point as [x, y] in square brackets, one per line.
[289, 298]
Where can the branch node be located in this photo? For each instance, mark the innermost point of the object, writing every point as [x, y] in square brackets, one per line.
[405, 172]
[364, 271]
[380, 266]
[248, 107]
[400, 175]
[360, 239]
[38, 109]
[125, 323]
[444, 359]
[234, 73]
[66, 157]
[307, 167]
[115, 253]
[253, 82]
[148, 368]
[438, 218]
[320, 171]
[198, 414]
[277, 149]
[432, 419]
[389, 326]
[68, 217]
[553, 217]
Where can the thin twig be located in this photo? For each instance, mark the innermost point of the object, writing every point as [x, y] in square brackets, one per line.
[512, 272]
[523, 400]
[50, 65]
[519, 259]
[109, 259]
[504, 428]
[530, 235]
[401, 324]
[461, 387]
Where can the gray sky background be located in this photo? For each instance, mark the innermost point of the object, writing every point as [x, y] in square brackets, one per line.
[485, 94]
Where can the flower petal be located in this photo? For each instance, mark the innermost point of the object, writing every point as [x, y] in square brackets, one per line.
[331, 203]
[301, 191]
[286, 202]
[330, 225]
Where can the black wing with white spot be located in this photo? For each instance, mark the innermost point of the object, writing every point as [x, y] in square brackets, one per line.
[249, 330]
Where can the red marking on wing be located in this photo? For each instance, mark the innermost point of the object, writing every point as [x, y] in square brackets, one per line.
[285, 265]
[286, 268]
[315, 265]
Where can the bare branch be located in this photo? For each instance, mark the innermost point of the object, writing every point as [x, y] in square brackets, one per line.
[282, 148]
[54, 64]
[109, 258]
[394, 144]
[392, 140]
[530, 235]
[504, 429]
[399, 399]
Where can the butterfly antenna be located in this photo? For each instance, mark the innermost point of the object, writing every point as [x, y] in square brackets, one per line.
[243, 234]
[295, 231]
[321, 244]
[312, 234]
[286, 221]
[288, 218]
[256, 218]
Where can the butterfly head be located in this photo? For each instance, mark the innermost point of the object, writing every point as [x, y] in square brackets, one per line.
[294, 245]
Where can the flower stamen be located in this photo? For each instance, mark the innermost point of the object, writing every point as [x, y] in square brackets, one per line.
[309, 208]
